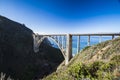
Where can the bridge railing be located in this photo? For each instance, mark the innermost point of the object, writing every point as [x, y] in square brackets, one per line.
[62, 41]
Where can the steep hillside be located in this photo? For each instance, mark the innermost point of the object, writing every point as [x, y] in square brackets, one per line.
[17, 58]
[98, 62]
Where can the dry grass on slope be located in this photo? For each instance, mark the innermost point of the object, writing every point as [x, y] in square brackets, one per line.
[101, 51]
[98, 62]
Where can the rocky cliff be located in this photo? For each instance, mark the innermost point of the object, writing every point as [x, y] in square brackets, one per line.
[17, 58]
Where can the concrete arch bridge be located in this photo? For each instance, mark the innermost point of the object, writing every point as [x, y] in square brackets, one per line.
[64, 42]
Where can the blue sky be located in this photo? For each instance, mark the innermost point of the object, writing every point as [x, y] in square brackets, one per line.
[64, 16]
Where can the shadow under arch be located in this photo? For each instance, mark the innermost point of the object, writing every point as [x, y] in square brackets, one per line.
[44, 37]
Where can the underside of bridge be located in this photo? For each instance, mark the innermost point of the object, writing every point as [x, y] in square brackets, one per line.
[53, 52]
[49, 57]
[66, 51]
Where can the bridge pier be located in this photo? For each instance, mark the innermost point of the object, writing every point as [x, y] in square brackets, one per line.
[68, 55]
[62, 42]
[113, 36]
[100, 39]
[78, 44]
[88, 40]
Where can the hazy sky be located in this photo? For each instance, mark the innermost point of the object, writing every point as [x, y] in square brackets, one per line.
[64, 16]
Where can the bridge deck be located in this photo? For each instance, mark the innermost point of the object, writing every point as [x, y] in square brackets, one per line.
[88, 34]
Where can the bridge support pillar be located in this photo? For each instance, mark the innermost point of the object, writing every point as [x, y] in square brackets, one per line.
[113, 36]
[88, 40]
[62, 42]
[100, 39]
[68, 55]
[78, 44]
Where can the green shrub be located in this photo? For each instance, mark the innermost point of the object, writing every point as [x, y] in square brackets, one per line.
[116, 58]
[78, 71]
[108, 66]
[94, 67]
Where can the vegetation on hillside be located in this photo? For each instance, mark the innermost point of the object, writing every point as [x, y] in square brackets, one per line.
[98, 62]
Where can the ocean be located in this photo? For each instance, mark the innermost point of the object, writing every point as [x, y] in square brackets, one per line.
[84, 42]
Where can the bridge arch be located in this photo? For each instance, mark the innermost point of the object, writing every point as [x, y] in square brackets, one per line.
[55, 41]
[66, 51]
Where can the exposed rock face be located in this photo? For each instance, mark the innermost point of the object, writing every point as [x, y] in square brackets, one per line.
[17, 57]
